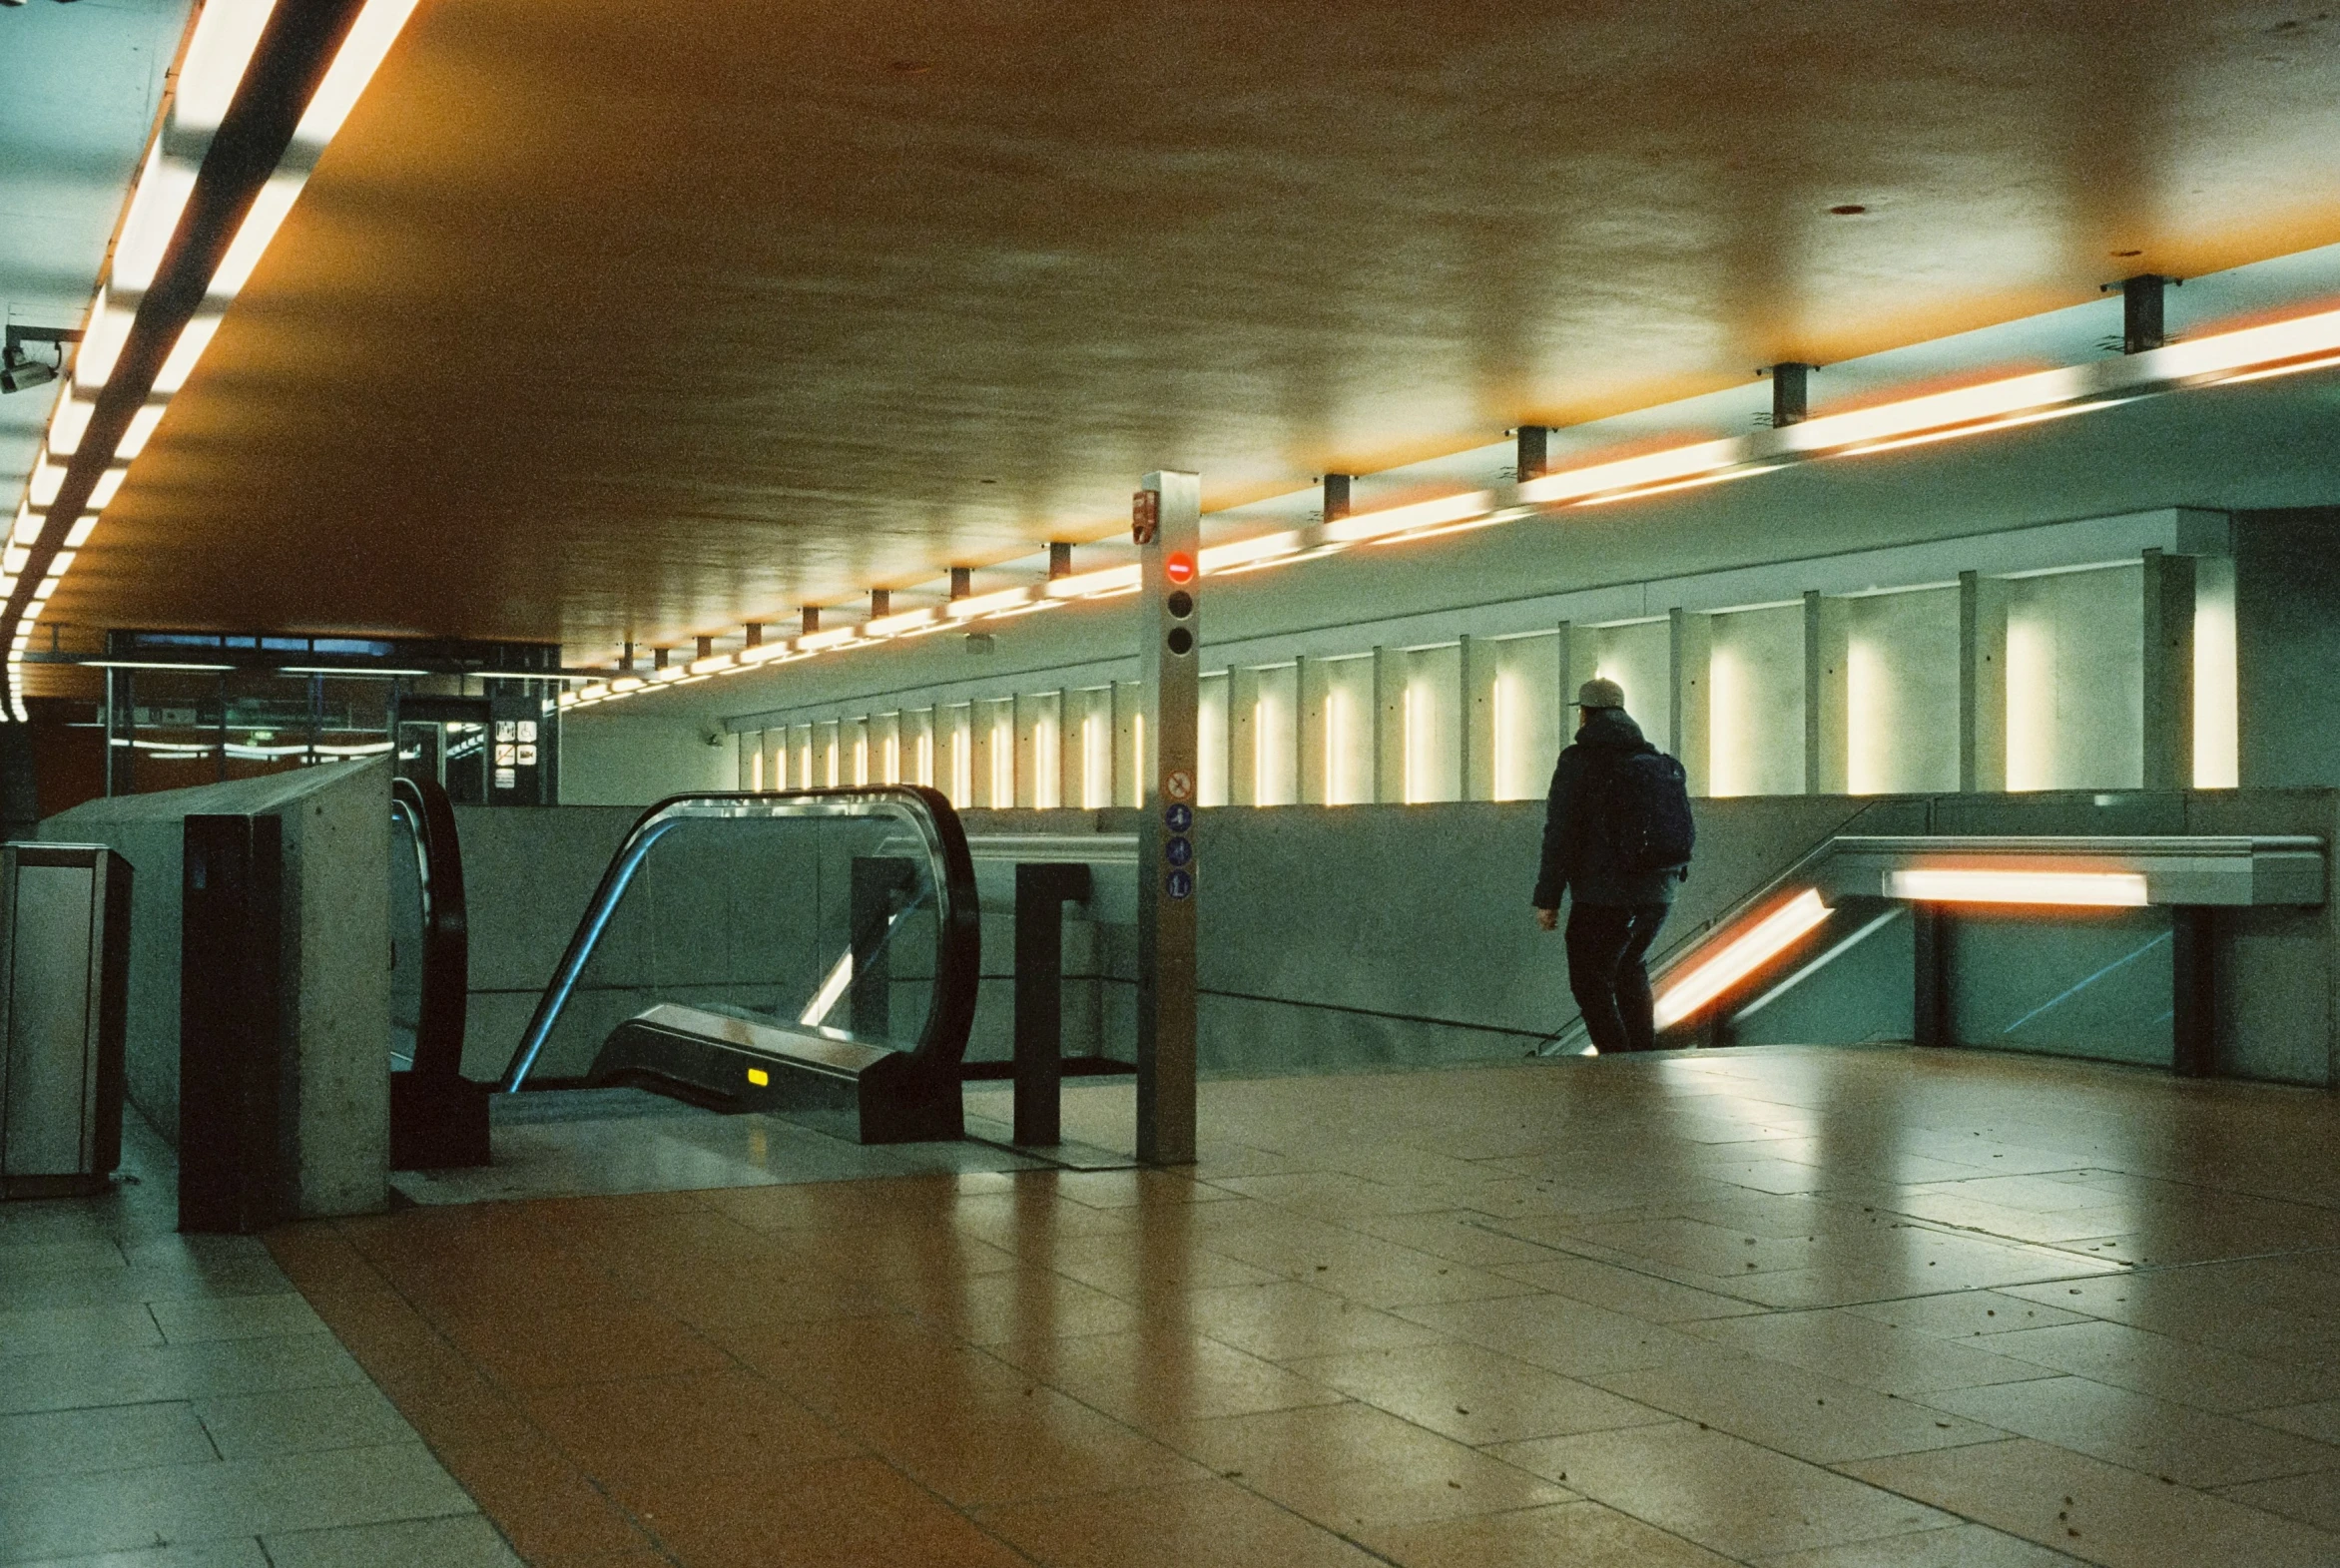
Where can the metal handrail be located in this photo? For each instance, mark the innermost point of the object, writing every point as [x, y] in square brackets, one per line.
[958, 958]
[446, 937]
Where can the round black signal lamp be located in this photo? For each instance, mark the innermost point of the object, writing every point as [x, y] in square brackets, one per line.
[1181, 640]
[1181, 604]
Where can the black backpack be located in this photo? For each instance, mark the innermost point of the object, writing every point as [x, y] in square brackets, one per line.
[1642, 822]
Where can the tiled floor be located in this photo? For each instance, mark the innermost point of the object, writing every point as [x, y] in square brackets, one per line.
[1791, 1308]
[171, 1401]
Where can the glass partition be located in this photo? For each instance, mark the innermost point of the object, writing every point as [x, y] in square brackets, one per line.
[846, 913]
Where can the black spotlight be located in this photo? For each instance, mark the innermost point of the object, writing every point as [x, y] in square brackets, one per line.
[19, 371]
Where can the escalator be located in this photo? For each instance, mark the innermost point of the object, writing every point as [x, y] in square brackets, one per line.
[813, 953]
[438, 1118]
[2088, 945]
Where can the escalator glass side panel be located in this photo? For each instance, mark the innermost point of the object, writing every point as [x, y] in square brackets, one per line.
[846, 915]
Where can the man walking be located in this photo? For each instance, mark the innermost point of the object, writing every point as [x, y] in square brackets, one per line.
[1617, 834]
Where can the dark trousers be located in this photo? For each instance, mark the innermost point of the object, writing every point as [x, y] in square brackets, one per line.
[1606, 945]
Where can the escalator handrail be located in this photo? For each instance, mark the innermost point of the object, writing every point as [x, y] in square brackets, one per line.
[446, 936]
[1687, 942]
[958, 955]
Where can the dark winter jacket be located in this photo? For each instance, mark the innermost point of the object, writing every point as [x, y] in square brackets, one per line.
[1569, 851]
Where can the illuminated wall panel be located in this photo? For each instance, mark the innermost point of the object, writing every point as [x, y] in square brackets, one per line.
[1347, 719]
[2075, 679]
[1755, 687]
[1639, 658]
[1527, 731]
[1211, 747]
[2216, 740]
[1902, 701]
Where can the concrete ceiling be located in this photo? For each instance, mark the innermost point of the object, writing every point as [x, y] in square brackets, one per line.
[606, 321]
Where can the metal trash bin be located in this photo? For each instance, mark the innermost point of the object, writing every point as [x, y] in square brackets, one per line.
[64, 1004]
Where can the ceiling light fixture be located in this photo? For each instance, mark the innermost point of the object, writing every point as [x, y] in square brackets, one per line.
[2302, 344]
[221, 45]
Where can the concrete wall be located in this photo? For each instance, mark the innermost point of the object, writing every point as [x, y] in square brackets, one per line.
[1335, 936]
[2287, 647]
[618, 759]
[336, 978]
[1350, 937]
[528, 872]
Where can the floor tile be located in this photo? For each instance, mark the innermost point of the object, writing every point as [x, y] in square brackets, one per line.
[1023, 1304]
[845, 1513]
[1475, 1395]
[1210, 1523]
[540, 1500]
[2320, 1420]
[1571, 1337]
[300, 1421]
[60, 1331]
[1157, 1378]
[1578, 1534]
[1860, 1349]
[1288, 1320]
[1019, 1442]
[106, 1438]
[1623, 1291]
[1792, 1409]
[2178, 1442]
[140, 1373]
[1347, 1466]
[2096, 1511]
[2201, 1376]
[186, 1319]
[1723, 1493]
[1966, 1315]
[234, 1552]
[582, 1344]
[1963, 1546]
[60, 1515]
[2312, 1500]
[728, 1427]
[464, 1542]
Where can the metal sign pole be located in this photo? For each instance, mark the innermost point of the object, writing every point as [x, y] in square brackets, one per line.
[1166, 522]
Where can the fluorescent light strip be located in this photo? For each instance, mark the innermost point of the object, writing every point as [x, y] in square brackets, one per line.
[897, 624]
[66, 425]
[1928, 437]
[2323, 362]
[332, 668]
[151, 664]
[1762, 942]
[2251, 346]
[1916, 421]
[1695, 482]
[1396, 519]
[2098, 889]
[219, 53]
[985, 604]
[1633, 472]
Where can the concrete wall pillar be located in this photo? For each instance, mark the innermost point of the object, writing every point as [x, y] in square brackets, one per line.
[1243, 737]
[1982, 683]
[1690, 674]
[1477, 715]
[1827, 745]
[974, 753]
[1390, 669]
[2169, 670]
[1307, 730]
